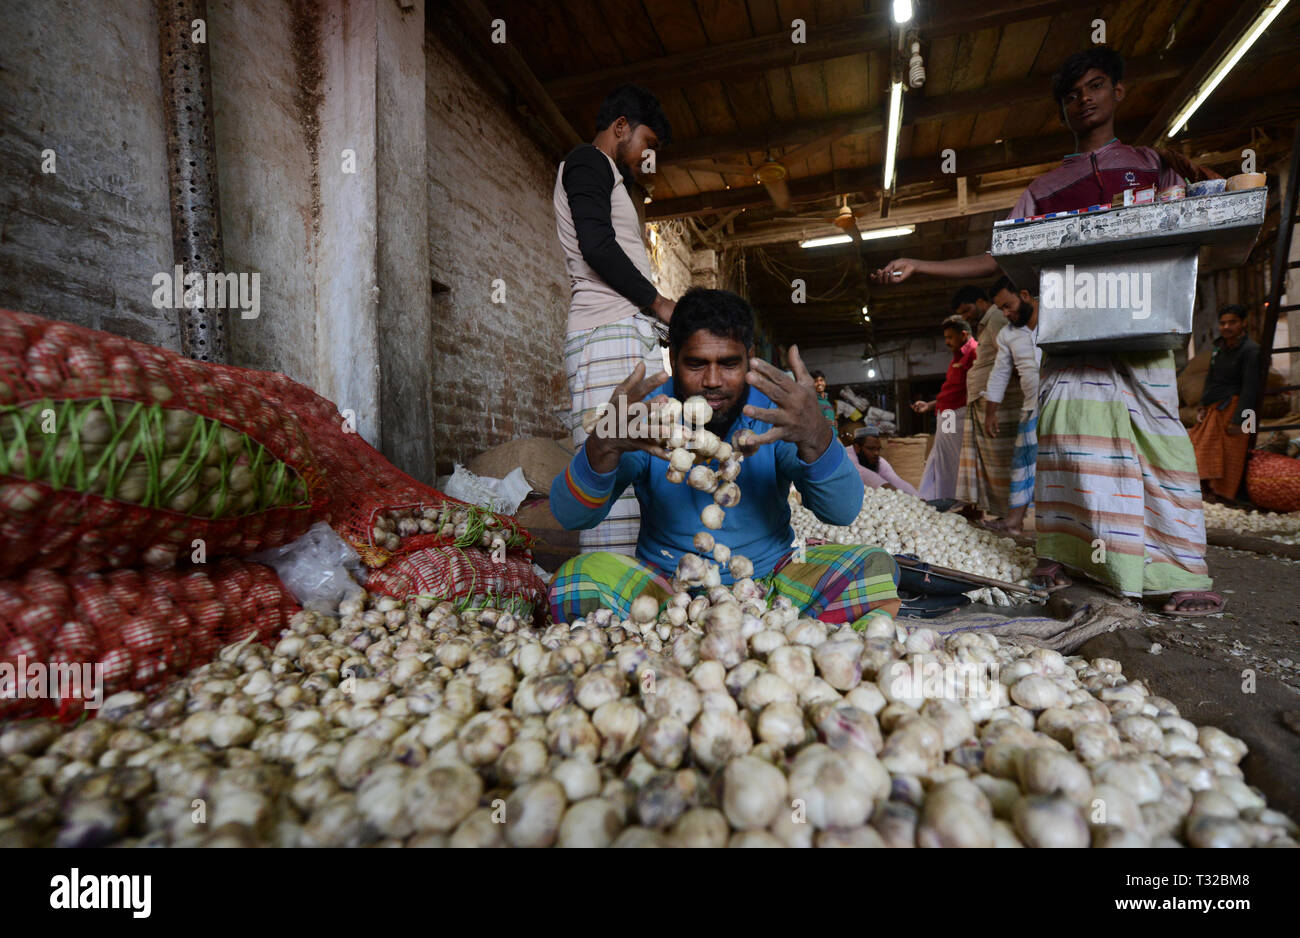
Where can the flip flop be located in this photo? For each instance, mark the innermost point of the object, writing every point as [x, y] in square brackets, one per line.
[1185, 595]
[1049, 571]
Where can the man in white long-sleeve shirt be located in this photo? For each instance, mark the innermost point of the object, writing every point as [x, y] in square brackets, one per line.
[1017, 349]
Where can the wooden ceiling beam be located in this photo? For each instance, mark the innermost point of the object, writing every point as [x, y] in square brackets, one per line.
[1010, 154]
[916, 110]
[922, 110]
[477, 23]
[751, 58]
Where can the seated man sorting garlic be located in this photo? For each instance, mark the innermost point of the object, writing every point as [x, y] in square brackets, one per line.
[726, 423]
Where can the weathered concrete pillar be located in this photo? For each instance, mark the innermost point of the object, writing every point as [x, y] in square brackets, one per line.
[402, 265]
[374, 334]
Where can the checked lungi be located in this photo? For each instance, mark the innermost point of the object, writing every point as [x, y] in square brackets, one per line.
[597, 361]
[1118, 495]
[1024, 459]
[851, 583]
[984, 470]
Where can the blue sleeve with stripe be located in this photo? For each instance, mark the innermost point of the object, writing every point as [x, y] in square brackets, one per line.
[581, 497]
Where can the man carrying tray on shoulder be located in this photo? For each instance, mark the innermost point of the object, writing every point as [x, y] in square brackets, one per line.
[1115, 464]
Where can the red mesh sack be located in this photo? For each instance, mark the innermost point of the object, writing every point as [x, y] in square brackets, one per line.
[468, 577]
[114, 453]
[378, 509]
[1273, 481]
[144, 627]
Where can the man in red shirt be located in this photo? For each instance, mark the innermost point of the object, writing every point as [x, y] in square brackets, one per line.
[940, 479]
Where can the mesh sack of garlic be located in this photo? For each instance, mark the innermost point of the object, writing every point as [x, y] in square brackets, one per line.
[374, 506]
[406, 723]
[114, 453]
[470, 578]
[128, 629]
[904, 524]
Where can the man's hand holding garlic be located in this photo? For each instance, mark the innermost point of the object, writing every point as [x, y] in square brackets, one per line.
[796, 406]
[624, 428]
[726, 423]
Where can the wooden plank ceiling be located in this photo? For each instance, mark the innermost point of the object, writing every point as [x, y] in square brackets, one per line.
[738, 92]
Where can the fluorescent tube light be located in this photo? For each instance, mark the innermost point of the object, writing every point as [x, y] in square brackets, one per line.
[902, 11]
[895, 232]
[1233, 56]
[822, 242]
[895, 126]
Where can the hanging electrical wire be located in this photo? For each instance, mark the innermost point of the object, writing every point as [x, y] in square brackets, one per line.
[783, 271]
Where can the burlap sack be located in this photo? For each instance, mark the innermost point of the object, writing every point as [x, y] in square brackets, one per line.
[542, 460]
[907, 455]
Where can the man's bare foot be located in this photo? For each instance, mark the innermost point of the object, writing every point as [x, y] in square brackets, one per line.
[1193, 602]
[1001, 526]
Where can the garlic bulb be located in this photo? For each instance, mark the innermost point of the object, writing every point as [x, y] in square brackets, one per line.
[594, 822]
[700, 827]
[711, 516]
[701, 478]
[1050, 821]
[696, 411]
[727, 495]
[830, 792]
[753, 792]
[533, 813]
[717, 737]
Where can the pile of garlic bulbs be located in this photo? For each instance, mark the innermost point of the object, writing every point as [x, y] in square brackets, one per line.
[904, 524]
[715, 720]
[719, 719]
[1279, 527]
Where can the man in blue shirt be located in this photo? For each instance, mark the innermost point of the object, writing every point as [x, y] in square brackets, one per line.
[710, 343]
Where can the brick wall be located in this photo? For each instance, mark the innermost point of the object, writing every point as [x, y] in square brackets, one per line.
[498, 368]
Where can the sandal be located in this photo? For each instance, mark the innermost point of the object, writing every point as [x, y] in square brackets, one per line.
[1054, 573]
[1183, 596]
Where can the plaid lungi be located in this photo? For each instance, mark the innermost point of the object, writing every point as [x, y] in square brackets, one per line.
[833, 582]
[1024, 459]
[597, 361]
[984, 469]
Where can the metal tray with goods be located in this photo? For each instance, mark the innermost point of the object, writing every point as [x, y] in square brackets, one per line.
[1125, 277]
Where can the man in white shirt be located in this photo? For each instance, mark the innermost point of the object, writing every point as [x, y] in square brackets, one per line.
[615, 313]
[1017, 348]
